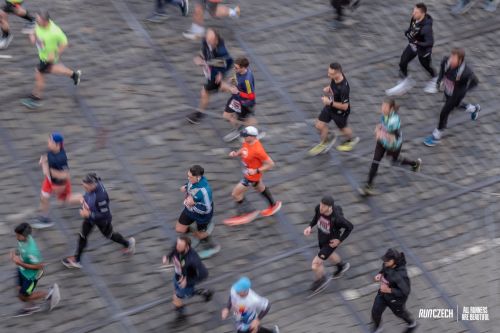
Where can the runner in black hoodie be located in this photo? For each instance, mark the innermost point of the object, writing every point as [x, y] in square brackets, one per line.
[189, 271]
[394, 290]
[420, 42]
[457, 78]
[330, 221]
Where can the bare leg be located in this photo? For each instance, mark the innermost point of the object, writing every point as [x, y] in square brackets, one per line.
[44, 205]
[39, 84]
[4, 21]
[347, 132]
[239, 192]
[204, 99]
[322, 127]
[198, 14]
[60, 69]
[318, 268]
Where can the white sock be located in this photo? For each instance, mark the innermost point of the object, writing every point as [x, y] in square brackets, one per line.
[437, 134]
[232, 12]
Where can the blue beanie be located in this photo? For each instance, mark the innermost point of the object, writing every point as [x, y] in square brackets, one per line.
[57, 137]
[243, 284]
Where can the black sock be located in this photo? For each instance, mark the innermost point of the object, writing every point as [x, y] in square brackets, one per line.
[180, 309]
[340, 265]
[5, 33]
[73, 76]
[207, 240]
[267, 194]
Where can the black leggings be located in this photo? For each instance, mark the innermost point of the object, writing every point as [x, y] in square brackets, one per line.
[377, 157]
[106, 229]
[408, 55]
[450, 104]
[398, 308]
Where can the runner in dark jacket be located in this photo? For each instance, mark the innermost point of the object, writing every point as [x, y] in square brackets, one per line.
[394, 289]
[457, 79]
[333, 229]
[189, 271]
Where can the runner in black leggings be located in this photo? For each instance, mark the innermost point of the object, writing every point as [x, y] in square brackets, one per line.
[96, 212]
[389, 140]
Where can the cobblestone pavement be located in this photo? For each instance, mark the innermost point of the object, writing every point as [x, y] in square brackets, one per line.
[126, 121]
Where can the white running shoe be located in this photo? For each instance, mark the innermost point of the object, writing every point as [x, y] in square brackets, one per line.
[5, 42]
[431, 87]
[401, 88]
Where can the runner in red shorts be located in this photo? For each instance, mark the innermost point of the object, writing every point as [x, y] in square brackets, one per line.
[56, 179]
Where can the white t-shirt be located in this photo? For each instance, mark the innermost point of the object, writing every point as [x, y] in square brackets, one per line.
[246, 309]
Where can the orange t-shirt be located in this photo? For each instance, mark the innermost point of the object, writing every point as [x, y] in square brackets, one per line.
[253, 156]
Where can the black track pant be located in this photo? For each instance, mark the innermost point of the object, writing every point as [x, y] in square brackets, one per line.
[106, 229]
[408, 55]
[377, 157]
[451, 102]
[397, 307]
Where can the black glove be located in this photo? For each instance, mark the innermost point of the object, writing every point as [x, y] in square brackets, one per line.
[410, 38]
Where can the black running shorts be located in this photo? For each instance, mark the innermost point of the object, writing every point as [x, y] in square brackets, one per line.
[325, 250]
[242, 111]
[187, 218]
[246, 182]
[328, 114]
[44, 67]
[211, 86]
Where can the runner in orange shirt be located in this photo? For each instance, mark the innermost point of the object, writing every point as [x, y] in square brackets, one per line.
[256, 162]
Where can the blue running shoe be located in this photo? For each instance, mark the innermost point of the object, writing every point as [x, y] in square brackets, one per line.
[430, 141]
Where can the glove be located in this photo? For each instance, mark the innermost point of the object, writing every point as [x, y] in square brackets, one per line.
[410, 38]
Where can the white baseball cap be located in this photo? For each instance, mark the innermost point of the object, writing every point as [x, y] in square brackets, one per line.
[249, 131]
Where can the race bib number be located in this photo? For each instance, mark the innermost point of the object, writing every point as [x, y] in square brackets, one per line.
[235, 106]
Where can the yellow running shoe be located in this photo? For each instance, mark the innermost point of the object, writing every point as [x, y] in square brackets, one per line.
[348, 145]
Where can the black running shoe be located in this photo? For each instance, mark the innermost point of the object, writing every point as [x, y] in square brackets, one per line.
[195, 117]
[76, 77]
[318, 283]
[341, 270]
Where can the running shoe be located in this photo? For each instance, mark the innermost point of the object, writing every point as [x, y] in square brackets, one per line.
[28, 28]
[475, 114]
[53, 297]
[5, 42]
[341, 270]
[431, 141]
[401, 88]
[77, 76]
[317, 284]
[431, 87]
[130, 250]
[355, 4]
[366, 190]
[237, 9]
[42, 222]
[26, 311]
[411, 327]
[348, 145]
[417, 166]
[184, 6]
[70, 262]
[329, 144]
[195, 117]
[276, 329]
[193, 35]
[207, 294]
[378, 330]
[271, 210]
[318, 149]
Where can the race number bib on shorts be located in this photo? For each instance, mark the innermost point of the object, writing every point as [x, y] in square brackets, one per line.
[235, 106]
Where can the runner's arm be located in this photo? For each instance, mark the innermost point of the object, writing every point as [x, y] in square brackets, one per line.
[343, 223]
[472, 81]
[402, 289]
[30, 266]
[441, 70]
[266, 165]
[315, 219]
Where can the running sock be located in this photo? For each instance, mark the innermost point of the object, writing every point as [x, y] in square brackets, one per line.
[73, 76]
[340, 265]
[437, 134]
[232, 12]
[197, 29]
[180, 309]
[208, 241]
[267, 194]
[5, 33]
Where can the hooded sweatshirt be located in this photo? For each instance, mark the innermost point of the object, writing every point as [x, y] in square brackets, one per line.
[189, 265]
[397, 279]
[420, 34]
